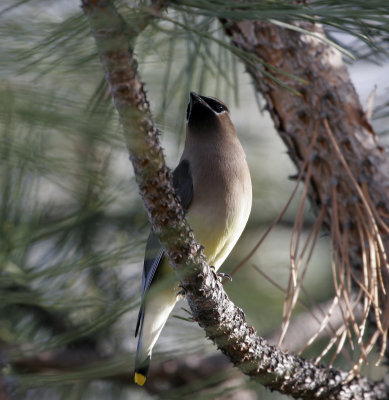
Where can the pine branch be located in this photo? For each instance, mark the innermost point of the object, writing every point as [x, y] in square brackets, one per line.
[222, 321]
[326, 128]
[56, 321]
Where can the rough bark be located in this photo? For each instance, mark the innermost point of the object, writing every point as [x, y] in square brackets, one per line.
[353, 192]
[113, 38]
[222, 321]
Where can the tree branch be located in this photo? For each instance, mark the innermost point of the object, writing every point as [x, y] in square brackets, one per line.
[222, 321]
[349, 168]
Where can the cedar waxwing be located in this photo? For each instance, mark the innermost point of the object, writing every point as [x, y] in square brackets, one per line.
[213, 183]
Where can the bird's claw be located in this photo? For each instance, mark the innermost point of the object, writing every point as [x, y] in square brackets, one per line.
[220, 275]
[181, 293]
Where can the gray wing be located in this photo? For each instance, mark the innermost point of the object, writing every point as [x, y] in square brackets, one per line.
[183, 184]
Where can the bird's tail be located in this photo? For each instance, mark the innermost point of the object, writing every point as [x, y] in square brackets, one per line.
[149, 326]
[141, 369]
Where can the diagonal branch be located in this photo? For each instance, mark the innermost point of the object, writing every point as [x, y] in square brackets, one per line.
[222, 321]
[350, 169]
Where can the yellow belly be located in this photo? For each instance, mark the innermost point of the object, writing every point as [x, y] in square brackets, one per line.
[218, 235]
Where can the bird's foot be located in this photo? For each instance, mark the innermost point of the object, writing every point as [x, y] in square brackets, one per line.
[220, 275]
[181, 293]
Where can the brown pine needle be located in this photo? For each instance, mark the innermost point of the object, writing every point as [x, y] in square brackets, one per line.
[373, 256]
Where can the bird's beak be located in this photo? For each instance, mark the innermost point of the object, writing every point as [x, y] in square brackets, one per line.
[194, 99]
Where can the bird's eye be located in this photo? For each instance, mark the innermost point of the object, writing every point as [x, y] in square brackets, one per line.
[215, 105]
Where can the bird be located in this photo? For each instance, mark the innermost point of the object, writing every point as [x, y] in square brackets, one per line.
[213, 184]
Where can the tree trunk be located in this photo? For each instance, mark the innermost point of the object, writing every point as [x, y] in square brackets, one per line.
[328, 137]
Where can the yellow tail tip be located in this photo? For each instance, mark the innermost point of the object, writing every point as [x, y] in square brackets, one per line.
[139, 379]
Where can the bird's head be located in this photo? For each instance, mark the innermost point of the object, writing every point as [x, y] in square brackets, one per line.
[205, 114]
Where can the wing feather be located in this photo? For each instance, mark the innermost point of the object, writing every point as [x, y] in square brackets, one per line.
[183, 184]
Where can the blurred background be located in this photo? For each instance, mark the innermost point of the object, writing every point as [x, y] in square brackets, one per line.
[73, 227]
